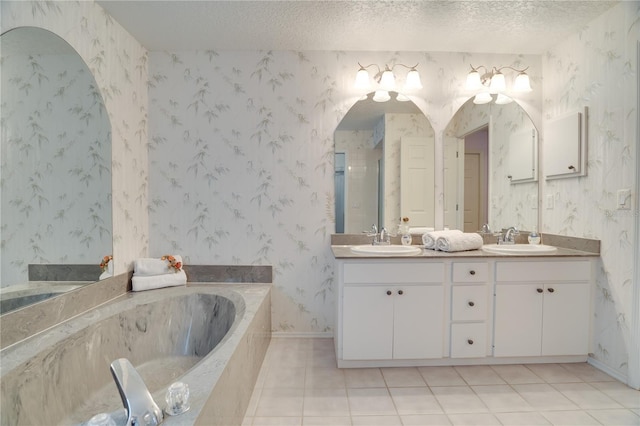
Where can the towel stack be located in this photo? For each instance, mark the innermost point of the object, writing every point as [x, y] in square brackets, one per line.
[150, 274]
[452, 240]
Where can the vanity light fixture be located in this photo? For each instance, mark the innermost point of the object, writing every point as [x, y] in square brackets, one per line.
[386, 81]
[493, 82]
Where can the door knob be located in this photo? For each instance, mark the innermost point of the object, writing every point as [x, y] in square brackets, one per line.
[472, 272]
[388, 292]
[550, 290]
[539, 290]
[400, 292]
[470, 342]
[471, 304]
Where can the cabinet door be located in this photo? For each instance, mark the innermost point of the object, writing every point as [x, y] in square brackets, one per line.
[418, 322]
[518, 319]
[565, 329]
[367, 330]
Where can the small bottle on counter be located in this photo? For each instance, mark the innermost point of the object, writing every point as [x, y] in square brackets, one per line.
[405, 233]
[534, 237]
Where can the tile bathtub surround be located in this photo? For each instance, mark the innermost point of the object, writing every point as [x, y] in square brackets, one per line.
[299, 384]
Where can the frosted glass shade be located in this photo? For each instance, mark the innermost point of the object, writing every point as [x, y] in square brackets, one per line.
[362, 80]
[473, 81]
[413, 81]
[388, 81]
[482, 98]
[402, 98]
[381, 96]
[498, 83]
[522, 83]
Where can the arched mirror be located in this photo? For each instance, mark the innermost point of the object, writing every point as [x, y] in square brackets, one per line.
[384, 166]
[55, 170]
[491, 168]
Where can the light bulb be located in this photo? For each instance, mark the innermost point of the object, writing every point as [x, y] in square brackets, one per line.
[413, 81]
[522, 83]
[473, 81]
[381, 96]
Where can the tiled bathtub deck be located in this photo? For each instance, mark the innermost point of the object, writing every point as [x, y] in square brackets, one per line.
[299, 384]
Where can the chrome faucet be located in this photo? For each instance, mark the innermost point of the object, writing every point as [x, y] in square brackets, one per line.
[509, 236]
[383, 238]
[136, 398]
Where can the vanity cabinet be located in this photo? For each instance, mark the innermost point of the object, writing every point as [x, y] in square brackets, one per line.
[469, 309]
[542, 309]
[391, 310]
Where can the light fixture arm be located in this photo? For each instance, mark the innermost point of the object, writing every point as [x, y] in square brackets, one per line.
[511, 68]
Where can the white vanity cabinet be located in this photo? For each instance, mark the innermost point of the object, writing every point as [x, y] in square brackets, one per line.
[390, 310]
[542, 308]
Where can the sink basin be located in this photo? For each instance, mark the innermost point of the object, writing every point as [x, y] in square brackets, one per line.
[387, 250]
[518, 248]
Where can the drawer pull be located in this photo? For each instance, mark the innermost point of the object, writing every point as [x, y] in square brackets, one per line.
[400, 292]
[539, 290]
[472, 304]
[470, 342]
[472, 272]
[388, 292]
[550, 290]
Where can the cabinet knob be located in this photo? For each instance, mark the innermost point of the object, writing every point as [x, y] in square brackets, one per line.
[470, 342]
[388, 292]
[472, 304]
[572, 168]
[472, 272]
[539, 290]
[550, 290]
[400, 292]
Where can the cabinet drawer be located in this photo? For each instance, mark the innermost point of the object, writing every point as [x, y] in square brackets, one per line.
[470, 272]
[469, 340]
[468, 303]
[393, 273]
[578, 270]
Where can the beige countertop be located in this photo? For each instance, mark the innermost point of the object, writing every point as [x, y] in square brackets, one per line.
[344, 252]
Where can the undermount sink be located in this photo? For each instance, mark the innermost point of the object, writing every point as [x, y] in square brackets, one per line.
[518, 248]
[387, 250]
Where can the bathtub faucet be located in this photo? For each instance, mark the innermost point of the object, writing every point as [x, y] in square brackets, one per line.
[141, 408]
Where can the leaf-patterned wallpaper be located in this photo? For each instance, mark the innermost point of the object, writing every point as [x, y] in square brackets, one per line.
[119, 65]
[56, 164]
[597, 68]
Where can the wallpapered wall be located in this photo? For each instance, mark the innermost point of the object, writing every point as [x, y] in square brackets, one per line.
[56, 164]
[119, 65]
[597, 68]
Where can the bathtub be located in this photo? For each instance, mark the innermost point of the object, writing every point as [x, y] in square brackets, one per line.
[211, 336]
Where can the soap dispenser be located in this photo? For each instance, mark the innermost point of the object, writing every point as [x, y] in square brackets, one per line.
[534, 237]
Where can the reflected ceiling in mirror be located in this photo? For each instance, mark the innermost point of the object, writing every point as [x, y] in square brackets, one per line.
[368, 178]
[55, 164]
[486, 148]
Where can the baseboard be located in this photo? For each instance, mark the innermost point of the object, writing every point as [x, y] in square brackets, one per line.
[608, 370]
[309, 335]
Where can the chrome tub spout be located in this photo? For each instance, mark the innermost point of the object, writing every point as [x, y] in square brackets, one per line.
[136, 398]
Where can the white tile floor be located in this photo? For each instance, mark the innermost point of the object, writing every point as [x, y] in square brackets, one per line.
[299, 384]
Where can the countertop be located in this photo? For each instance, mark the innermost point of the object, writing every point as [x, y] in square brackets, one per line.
[344, 252]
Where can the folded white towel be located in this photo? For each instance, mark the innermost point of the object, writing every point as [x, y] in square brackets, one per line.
[429, 238]
[150, 282]
[459, 242]
[150, 267]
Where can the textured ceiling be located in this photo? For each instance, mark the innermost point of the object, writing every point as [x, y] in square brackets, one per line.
[527, 27]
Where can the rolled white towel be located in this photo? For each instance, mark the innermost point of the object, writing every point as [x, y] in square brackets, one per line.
[153, 266]
[459, 242]
[429, 238]
[419, 230]
[150, 282]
